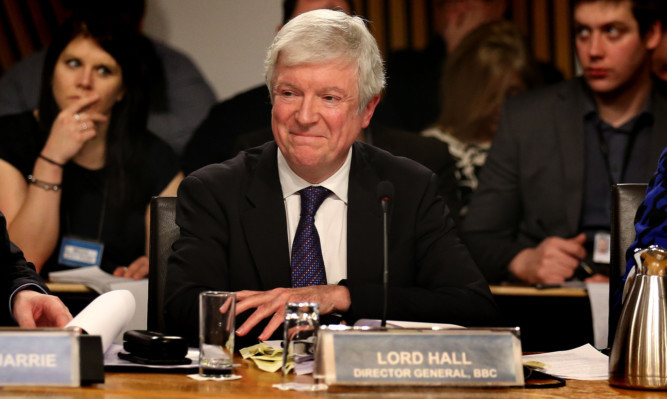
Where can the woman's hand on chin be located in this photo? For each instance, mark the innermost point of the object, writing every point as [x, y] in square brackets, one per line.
[73, 127]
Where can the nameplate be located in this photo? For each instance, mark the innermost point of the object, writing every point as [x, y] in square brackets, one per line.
[39, 357]
[460, 357]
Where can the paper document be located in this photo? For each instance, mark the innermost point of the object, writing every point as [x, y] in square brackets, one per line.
[100, 281]
[403, 324]
[582, 363]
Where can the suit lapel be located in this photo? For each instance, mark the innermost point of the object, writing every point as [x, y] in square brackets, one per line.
[264, 223]
[364, 220]
[570, 133]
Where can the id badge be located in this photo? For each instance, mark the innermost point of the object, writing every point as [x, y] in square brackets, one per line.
[602, 248]
[77, 252]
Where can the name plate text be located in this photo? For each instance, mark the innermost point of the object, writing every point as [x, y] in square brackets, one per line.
[420, 357]
[39, 357]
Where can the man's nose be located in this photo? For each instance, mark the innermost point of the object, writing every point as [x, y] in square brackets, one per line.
[596, 46]
[307, 112]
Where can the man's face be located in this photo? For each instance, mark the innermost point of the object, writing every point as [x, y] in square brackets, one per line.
[612, 52]
[314, 117]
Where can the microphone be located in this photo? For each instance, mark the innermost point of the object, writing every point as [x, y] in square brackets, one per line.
[385, 193]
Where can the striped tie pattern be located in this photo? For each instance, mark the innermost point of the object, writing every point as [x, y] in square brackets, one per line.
[307, 262]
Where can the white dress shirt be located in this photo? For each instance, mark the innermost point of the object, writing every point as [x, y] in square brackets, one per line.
[330, 218]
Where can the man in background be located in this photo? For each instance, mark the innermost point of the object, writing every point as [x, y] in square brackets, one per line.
[543, 201]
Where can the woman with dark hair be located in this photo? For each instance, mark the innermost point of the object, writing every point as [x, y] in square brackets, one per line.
[78, 173]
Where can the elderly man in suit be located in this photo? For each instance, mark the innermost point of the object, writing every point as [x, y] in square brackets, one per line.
[544, 195]
[247, 225]
[24, 291]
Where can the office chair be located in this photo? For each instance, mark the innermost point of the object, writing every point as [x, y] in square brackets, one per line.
[163, 233]
[625, 199]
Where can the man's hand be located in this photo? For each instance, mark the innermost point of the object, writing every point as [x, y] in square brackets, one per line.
[33, 309]
[331, 298]
[551, 262]
[137, 269]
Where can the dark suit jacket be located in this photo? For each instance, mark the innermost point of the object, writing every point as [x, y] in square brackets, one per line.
[428, 151]
[14, 272]
[532, 184]
[233, 237]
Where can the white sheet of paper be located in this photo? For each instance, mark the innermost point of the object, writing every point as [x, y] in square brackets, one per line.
[106, 316]
[582, 363]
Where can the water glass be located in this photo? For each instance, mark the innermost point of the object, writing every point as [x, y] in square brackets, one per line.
[302, 321]
[216, 333]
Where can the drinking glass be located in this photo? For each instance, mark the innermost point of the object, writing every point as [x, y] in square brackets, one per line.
[302, 320]
[216, 333]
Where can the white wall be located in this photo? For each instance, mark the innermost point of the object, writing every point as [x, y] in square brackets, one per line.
[227, 39]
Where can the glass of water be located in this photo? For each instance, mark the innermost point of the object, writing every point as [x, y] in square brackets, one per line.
[216, 334]
[302, 320]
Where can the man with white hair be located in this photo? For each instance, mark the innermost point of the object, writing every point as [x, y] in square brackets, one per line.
[241, 225]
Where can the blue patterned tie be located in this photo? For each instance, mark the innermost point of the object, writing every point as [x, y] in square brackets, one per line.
[307, 263]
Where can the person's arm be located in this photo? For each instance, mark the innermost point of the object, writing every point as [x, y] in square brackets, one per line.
[26, 294]
[491, 225]
[138, 269]
[34, 309]
[33, 210]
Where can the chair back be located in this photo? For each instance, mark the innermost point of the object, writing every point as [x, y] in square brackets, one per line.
[625, 200]
[163, 233]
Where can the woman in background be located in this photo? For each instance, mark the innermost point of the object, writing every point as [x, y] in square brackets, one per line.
[491, 64]
[78, 173]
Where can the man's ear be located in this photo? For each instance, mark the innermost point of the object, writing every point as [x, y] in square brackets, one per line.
[653, 36]
[367, 112]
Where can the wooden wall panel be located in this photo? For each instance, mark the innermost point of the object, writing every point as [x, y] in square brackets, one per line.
[396, 24]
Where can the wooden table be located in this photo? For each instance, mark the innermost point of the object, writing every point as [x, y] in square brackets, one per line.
[258, 384]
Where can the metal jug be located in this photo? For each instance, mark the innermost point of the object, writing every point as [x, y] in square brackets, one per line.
[639, 355]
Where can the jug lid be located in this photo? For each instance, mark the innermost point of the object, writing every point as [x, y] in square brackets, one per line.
[654, 261]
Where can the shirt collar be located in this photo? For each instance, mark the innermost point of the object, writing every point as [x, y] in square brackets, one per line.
[292, 183]
[590, 109]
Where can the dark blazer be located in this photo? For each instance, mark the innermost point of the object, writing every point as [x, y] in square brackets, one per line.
[428, 151]
[233, 237]
[532, 184]
[14, 273]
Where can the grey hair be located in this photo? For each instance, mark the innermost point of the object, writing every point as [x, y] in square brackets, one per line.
[324, 35]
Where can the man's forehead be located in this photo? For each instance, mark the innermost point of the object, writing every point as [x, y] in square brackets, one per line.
[603, 12]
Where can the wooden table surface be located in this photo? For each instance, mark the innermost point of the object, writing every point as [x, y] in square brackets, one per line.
[258, 384]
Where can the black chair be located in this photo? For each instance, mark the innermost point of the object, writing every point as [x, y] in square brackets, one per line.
[625, 199]
[163, 233]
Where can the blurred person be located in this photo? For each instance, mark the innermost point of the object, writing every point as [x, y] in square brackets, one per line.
[413, 100]
[78, 173]
[490, 64]
[298, 218]
[543, 199]
[179, 96]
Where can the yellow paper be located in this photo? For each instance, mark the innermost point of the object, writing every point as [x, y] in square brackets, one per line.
[265, 357]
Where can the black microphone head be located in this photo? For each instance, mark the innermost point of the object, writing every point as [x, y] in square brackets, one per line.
[385, 190]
